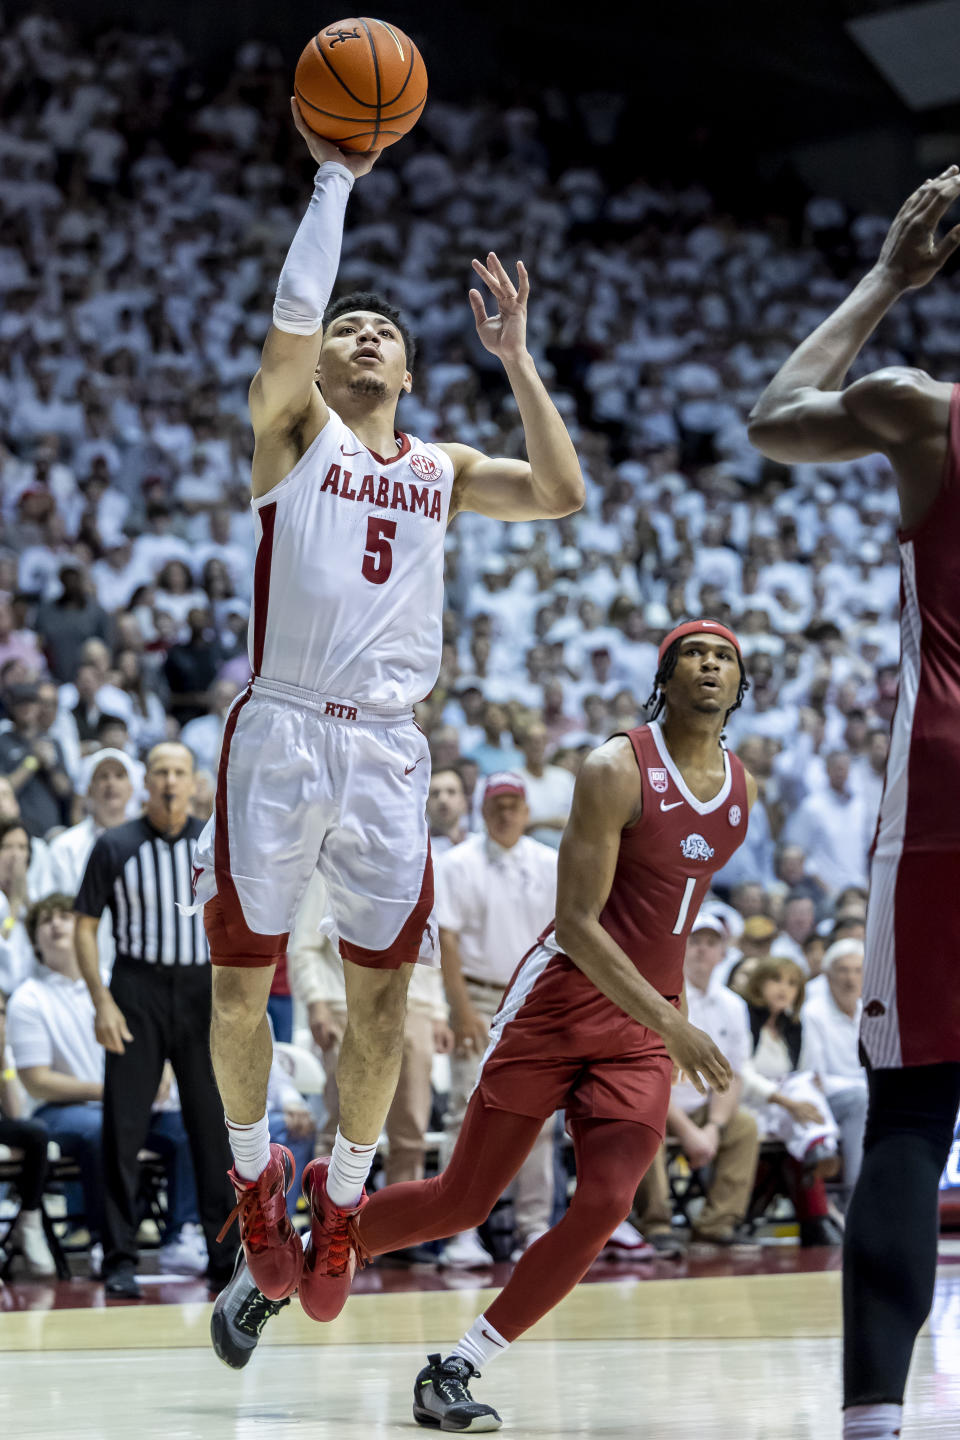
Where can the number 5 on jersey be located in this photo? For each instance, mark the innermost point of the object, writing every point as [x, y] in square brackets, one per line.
[378, 557]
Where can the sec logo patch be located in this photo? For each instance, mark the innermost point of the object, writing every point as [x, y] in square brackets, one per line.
[733, 814]
[425, 467]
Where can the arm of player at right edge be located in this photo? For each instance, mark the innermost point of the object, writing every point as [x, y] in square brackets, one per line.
[606, 799]
[807, 415]
[284, 397]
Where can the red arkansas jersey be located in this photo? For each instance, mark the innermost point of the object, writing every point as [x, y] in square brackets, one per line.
[667, 860]
[920, 810]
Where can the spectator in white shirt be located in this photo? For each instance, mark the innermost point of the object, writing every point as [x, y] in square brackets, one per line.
[798, 919]
[495, 894]
[446, 810]
[110, 782]
[831, 1022]
[50, 1028]
[717, 1132]
[831, 825]
[780, 1086]
[549, 787]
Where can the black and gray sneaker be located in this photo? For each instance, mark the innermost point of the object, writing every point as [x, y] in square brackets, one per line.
[442, 1401]
[239, 1315]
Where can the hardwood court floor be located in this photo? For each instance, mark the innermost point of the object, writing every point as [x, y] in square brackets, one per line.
[724, 1358]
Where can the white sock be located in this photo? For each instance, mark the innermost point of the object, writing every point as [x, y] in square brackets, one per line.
[30, 1219]
[481, 1344]
[872, 1422]
[349, 1167]
[250, 1145]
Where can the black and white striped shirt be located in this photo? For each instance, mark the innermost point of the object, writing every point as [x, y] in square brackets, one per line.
[142, 875]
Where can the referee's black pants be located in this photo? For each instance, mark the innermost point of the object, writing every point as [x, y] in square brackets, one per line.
[167, 1010]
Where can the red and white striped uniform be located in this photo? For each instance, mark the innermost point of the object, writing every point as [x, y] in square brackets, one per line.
[556, 1041]
[911, 990]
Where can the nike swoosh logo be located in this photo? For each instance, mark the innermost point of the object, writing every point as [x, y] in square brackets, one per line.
[672, 806]
[489, 1337]
[410, 768]
[350, 452]
[358, 1149]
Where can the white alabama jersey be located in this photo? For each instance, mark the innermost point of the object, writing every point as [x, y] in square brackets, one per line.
[348, 577]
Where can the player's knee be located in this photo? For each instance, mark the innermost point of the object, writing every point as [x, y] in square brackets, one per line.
[239, 999]
[377, 1007]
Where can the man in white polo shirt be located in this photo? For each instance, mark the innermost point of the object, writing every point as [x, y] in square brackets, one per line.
[50, 1030]
[831, 1035]
[495, 893]
[718, 1133]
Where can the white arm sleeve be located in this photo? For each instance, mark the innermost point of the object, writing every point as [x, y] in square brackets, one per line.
[311, 265]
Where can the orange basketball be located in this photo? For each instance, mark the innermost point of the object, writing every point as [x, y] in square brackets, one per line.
[361, 83]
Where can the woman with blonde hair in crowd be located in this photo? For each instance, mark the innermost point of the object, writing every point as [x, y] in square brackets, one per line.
[781, 1089]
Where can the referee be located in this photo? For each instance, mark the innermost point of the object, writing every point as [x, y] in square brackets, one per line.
[157, 1008]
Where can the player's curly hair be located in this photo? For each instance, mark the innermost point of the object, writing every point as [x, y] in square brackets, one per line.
[657, 700]
[379, 305]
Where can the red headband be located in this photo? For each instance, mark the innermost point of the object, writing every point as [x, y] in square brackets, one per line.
[697, 627]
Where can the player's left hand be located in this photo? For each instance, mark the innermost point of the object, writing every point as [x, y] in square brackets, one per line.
[913, 252]
[505, 333]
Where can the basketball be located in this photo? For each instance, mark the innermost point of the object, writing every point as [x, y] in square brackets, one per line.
[361, 84]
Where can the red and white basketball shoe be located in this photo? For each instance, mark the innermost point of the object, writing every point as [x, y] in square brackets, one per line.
[272, 1246]
[334, 1251]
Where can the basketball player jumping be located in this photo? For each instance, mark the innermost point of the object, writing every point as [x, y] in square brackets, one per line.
[910, 1032]
[322, 764]
[591, 1020]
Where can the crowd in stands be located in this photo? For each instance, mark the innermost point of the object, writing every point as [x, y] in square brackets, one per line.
[145, 210]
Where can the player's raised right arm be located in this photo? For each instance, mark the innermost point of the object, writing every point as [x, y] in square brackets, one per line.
[606, 799]
[284, 389]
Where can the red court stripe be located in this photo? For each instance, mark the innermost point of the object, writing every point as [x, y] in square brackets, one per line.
[261, 583]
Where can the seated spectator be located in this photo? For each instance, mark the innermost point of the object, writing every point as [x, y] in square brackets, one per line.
[30, 1138]
[831, 1022]
[446, 810]
[779, 1086]
[50, 1027]
[191, 668]
[109, 784]
[792, 873]
[39, 870]
[797, 920]
[204, 794]
[56, 723]
[316, 979]
[718, 1134]
[34, 765]
[756, 938]
[176, 593]
[64, 624]
[145, 715]
[17, 962]
[832, 825]
[204, 734]
[549, 787]
[497, 751]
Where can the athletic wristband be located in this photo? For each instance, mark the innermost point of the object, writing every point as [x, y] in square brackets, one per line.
[8, 1074]
[310, 268]
[30, 762]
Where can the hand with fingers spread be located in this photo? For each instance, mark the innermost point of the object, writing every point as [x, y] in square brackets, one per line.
[505, 333]
[697, 1058]
[324, 150]
[912, 252]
